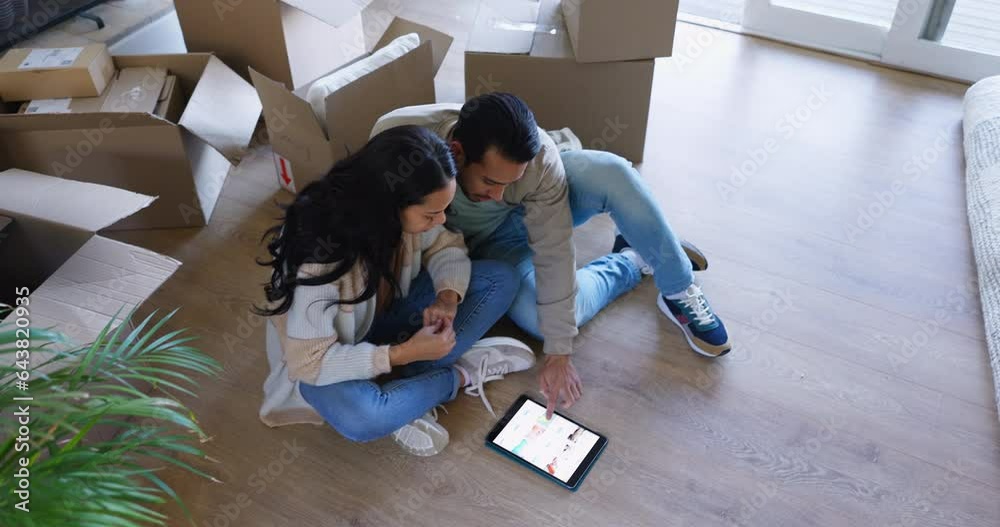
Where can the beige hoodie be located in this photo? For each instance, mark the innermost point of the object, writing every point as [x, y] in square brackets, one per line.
[545, 195]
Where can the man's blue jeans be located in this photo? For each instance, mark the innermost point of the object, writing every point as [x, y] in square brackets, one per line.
[598, 182]
[363, 410]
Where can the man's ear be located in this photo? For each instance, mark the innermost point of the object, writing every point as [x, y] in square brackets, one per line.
[458, 153]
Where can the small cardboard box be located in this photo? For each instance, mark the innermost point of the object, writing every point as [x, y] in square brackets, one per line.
[303, 151]
[135, 90]
[74, 105]
[185, 163]
[521, 47]
[54, 73]
[170, 104]
[291, 41]
[615, 30]
[76, 280]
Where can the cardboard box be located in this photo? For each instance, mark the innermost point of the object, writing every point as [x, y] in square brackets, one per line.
[303, 151]
[53, 73]
[74, 105]
[77, 280]
[521, 47]
[183, 163]
[615, 30]
[170, 104]
[135, 90]
[131, 90]
[290, 41]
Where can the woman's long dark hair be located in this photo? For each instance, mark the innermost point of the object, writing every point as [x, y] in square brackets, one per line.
[352, 215]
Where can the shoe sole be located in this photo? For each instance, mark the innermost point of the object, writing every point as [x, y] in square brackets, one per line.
[666, 311]
[432, 451]
[699, 262]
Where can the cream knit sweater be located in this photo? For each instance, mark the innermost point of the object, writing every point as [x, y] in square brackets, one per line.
[320, 345]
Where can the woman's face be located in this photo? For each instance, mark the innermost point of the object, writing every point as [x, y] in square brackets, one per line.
[424, 216]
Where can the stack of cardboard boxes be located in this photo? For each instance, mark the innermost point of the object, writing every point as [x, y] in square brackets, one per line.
[582, 64]
[161, 125]
[90, 141]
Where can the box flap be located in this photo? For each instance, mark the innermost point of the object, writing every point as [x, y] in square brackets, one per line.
[292, 127]
[351, 111]
[440, 42]
[103, 278]
[187, 67]
[223, 110]
[65, 201]
[506, 27]
[333, 12]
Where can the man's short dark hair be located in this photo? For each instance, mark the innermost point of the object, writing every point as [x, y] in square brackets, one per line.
[499, 120]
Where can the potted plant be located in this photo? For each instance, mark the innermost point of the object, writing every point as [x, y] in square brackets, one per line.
[95, 441]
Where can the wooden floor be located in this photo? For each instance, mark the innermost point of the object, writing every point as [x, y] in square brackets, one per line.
[858, 393]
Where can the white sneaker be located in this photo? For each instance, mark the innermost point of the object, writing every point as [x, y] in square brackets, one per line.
[423, 437]
[490, 359]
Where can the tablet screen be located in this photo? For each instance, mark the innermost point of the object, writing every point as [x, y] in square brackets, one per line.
[557, 446]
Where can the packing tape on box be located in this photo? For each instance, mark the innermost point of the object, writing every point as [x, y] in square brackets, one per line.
[509, 25]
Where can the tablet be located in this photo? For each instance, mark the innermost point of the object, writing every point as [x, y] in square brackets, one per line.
[560, 449]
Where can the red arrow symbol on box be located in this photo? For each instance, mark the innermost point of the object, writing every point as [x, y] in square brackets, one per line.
[284, 172]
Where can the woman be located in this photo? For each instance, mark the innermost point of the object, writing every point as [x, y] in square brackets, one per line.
[366, 280]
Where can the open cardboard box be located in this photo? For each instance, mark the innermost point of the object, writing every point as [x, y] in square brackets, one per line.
[303, 151]
[522, 47]
[78, 280]
[291, 41]
[184, 164]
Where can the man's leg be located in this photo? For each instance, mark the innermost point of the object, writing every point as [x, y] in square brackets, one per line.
[598, 283]
[604, 182]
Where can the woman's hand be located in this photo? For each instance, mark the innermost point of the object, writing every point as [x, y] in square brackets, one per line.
[444, 308]
[430, 343]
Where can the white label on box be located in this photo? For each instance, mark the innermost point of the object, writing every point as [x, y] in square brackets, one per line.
[284, 168]
[48, 106]
[50, 58]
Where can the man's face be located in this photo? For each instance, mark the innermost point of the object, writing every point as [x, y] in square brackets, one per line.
[486, 180]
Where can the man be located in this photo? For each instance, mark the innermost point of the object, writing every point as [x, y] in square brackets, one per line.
[518, 201]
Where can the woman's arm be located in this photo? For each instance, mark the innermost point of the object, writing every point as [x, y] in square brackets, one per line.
[447, 261]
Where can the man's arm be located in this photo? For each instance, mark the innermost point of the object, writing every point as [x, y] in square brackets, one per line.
[550, 234]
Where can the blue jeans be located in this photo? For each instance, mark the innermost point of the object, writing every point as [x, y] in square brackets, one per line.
[598, 182]
[362, 410]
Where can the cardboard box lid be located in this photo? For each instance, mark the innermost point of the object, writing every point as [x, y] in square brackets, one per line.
[66, 202]
[210, 114]
[95, 277]
[333, 12]
[292, 126]
[103, 278]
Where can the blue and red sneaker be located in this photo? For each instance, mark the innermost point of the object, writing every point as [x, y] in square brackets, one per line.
[702, 328]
